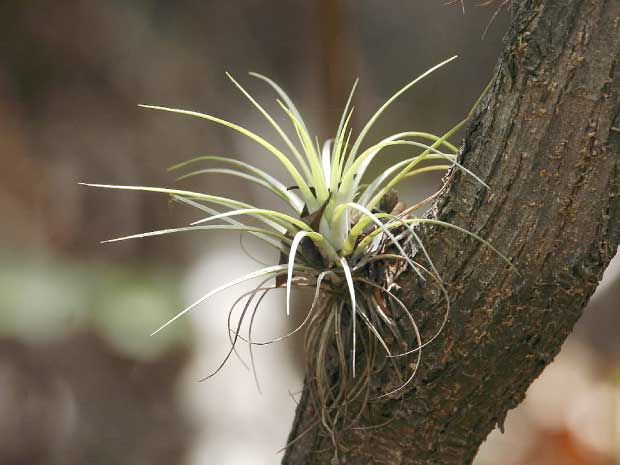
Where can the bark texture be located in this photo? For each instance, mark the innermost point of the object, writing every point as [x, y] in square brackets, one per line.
[546, 139]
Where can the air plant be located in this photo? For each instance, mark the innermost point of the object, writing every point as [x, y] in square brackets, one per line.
[342, 234]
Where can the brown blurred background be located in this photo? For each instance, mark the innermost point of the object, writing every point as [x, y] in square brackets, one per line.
[81, 382]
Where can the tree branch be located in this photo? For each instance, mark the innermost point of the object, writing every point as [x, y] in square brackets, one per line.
[544, 140]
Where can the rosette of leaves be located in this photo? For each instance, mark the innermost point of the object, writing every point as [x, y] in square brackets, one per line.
[341, 233]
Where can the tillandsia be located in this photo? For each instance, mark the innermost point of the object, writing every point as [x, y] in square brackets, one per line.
[342, 234]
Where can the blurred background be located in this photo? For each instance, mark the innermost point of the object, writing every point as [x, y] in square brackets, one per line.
[81, 381]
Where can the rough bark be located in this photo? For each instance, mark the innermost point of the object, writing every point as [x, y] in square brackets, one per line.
[547, 141]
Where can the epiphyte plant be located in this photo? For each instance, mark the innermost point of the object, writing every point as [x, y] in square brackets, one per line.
[342, 234]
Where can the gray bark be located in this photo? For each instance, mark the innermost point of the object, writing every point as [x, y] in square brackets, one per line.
[547, 141]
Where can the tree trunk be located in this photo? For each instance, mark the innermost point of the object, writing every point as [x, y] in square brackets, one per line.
[546, 139]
